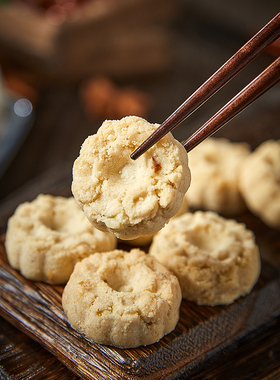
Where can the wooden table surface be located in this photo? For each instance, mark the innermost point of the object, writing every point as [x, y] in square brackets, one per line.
[44, 162]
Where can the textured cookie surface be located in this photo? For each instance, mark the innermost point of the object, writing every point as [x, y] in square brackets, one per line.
[215, 165]
[48, 236]
[129, 197]
[216, 260]
[145, 240]
[259, 182]
[123, 299]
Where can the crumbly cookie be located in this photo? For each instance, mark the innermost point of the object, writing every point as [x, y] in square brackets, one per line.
[123, 299]
[129, 197]
[214, 167]
[142, 241]
[215, 259]
[46, 237]
[259, 182]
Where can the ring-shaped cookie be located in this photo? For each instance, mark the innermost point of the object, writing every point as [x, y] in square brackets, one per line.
[130, 198]
[46, 237]
[215, 259]
[123, 299]
[259, 182]
[215, 165]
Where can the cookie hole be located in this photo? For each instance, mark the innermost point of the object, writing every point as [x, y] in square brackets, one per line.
[118, 283]
[50, 224]
[202, 241]
[211, 243]
[223, 255]
[211, 158]
[57, 223]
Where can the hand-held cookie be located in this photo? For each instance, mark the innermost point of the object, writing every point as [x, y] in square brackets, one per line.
[259, 182]
[129, 197]
[48, 236]
[215, 259]
[146, 240]
[123, 299]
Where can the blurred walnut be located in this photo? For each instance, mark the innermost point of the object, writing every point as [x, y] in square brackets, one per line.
[102, 99]
[20, 85]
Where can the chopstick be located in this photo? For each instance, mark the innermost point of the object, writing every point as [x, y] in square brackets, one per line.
[267, 79]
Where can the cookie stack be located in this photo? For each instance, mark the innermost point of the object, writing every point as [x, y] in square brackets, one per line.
[197, 251]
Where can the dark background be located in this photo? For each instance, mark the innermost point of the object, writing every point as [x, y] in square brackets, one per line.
[203, 35]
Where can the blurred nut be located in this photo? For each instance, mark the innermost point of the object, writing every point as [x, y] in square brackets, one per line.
[102, 99]
[19, 86]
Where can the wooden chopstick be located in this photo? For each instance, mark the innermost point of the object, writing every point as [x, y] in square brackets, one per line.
[267, 79]
[268, 34]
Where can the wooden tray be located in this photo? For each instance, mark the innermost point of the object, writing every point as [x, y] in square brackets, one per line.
[203, 332]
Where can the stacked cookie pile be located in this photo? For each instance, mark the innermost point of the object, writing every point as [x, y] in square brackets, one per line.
[132, 298]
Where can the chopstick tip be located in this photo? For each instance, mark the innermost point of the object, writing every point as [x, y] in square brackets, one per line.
[141, 149]
[136, 154]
